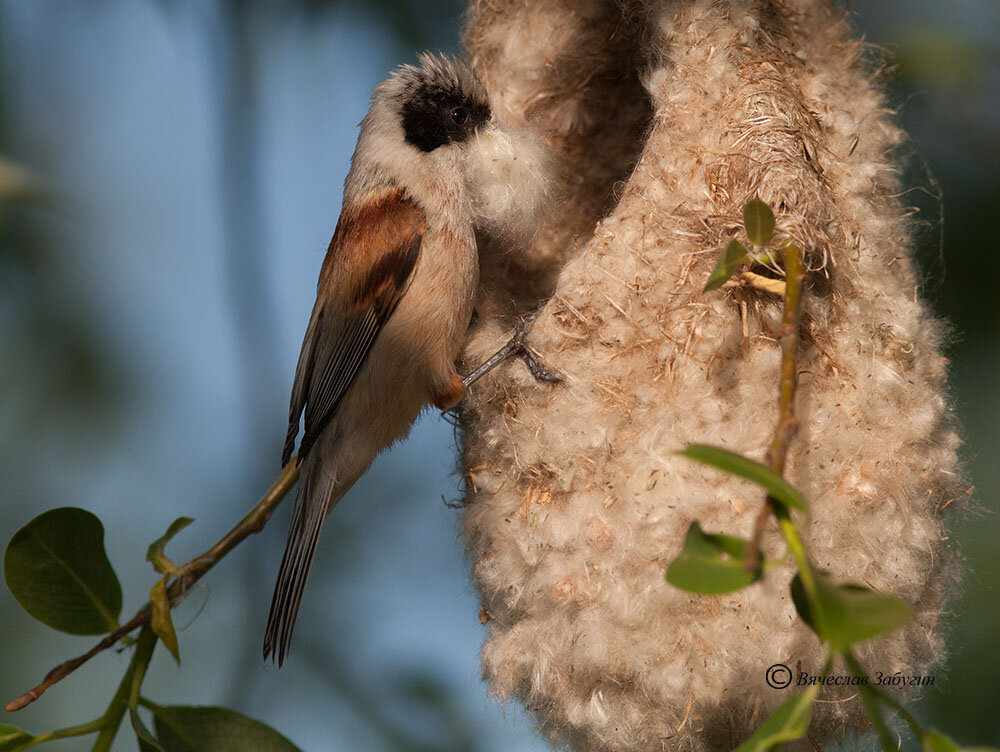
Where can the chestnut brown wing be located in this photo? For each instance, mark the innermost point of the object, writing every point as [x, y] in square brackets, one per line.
[365, 274]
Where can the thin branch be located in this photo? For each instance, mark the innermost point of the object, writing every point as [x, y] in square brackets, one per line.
[788, 337]
[64, 733]
[187, 575]
[128, 687]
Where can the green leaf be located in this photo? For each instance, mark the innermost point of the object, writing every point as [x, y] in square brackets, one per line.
[154, 553]
[758, 220]
[161, 622]
[730, 260]
[12, 737]
[196, 728]
[788, 723]
[58, 570]
[710, 564]
[934, 741]
[777, 487]
[848, 613]
[147, 742]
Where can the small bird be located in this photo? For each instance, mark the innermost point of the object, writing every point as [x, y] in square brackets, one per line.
[394, 298]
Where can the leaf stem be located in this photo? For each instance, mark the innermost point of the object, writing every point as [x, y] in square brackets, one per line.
[889, 700]
[870, 698]
[143, 654]
[116, 709]
[798, 551]
[788, 337]
[187, 575]
[84, 728]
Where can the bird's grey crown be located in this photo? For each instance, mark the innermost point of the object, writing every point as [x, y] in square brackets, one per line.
[442, 71]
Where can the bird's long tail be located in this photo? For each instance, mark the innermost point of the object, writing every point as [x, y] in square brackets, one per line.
[317, 494]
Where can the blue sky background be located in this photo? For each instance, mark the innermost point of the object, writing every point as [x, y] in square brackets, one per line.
[137, 386]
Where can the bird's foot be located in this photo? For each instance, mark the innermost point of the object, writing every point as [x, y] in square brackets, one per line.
[518, 348]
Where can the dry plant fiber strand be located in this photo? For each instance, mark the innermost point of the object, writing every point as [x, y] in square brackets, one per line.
[663, 119]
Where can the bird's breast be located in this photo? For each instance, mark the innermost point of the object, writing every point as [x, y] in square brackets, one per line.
[434, 312]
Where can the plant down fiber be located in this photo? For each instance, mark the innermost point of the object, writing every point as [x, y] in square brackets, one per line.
[663, 119]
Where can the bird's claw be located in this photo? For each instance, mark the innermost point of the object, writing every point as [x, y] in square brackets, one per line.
[516, 346]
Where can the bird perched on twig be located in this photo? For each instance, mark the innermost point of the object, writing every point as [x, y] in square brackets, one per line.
[395, 293]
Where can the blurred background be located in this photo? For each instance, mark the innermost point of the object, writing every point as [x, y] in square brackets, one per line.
[170, 175]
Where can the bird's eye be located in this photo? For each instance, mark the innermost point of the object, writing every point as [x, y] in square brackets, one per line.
[460, 115]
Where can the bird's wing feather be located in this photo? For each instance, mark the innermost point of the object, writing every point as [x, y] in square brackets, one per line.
[366, 271]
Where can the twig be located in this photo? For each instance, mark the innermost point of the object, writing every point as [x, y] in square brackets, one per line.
[92, 727]
[773, 286]
[187, 576]
[128, 686]
[788, 336]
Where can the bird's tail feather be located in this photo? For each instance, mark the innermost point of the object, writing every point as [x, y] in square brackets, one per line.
[314, 499]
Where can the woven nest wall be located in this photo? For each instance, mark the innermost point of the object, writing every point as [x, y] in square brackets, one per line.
[663, 118]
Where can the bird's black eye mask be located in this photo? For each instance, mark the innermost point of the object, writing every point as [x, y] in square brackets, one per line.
[434, 116]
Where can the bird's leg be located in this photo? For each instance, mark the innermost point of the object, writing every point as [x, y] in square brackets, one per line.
[516, 347]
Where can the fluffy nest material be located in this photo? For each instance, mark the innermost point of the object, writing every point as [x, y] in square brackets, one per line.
[663, 119]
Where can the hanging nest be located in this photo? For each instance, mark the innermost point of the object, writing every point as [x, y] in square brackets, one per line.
[662, 120]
